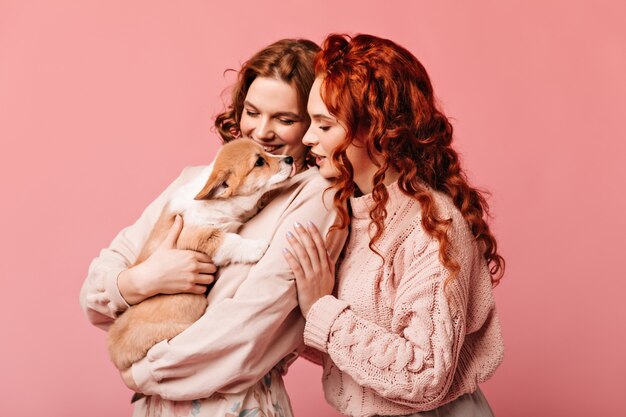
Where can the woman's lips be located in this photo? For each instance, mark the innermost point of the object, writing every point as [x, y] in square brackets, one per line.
[318, 158]
[271, 148]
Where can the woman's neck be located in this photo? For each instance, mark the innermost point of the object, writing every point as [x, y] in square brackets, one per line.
[364, 178]
[364, 168]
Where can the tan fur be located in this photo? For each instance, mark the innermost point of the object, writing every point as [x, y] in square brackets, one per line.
[164, 316]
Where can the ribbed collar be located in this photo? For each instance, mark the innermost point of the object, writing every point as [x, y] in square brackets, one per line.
[361, 206]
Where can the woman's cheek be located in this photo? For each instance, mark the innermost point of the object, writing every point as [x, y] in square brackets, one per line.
[293, 134]
[244, 126]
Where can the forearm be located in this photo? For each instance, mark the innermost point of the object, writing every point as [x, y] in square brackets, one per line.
[229, 349]
[100, 297]
[396, 364]
[131, 288]
[240, 337]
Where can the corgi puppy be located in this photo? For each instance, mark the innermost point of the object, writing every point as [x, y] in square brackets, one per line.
[212, 210]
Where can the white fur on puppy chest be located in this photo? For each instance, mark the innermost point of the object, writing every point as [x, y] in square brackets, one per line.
[236, 249]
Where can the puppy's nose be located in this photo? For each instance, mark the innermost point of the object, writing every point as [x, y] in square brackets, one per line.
[288, 160]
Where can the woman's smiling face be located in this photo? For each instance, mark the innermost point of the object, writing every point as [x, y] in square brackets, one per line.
[271, 117]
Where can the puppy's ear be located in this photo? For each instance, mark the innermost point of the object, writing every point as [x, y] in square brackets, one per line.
[216, 187]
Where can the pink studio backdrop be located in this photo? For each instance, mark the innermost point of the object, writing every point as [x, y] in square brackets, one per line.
[103, 102]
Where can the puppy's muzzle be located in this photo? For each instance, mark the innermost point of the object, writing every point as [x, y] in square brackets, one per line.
[289, 161]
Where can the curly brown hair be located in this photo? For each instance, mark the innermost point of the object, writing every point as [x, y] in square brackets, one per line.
[290, 60]
[381, 93]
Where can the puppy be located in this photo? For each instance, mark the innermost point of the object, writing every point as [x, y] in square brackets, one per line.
[212, 210]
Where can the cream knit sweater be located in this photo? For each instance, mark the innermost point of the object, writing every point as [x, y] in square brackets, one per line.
[392, 341]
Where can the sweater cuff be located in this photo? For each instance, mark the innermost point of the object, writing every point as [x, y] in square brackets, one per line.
[117, 302]
[320, 319]
[144, 376]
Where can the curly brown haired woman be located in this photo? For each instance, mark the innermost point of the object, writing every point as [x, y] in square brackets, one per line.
[230, 362]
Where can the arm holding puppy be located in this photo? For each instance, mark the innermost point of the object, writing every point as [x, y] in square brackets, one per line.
[242, 336]
[167, 271]
[112, 284]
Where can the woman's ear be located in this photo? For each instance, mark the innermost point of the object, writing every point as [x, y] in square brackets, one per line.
[216, 186]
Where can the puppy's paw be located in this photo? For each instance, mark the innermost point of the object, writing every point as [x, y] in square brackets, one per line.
[254, 250]
[250, 251]
[239, 250]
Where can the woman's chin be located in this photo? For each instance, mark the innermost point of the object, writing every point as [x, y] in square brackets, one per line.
[327, 172]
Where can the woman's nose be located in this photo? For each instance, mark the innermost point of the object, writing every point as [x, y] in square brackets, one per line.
[309, 139]
[264, 130]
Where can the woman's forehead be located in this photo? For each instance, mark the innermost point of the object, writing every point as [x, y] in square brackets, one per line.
[315, 106]
[272, 95]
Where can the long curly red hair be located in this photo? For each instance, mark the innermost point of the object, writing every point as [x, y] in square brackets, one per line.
[381, 93]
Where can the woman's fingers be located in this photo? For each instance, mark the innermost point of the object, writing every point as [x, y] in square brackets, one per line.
[198, 289]
[300, 254]
[309, 245]
[203, 279]
[304, 285]
[201, 257]
[206, 268]
[322, 251]
[204, 274]
[174, 232]
[294, 264]
[311, 266]
[200, 261]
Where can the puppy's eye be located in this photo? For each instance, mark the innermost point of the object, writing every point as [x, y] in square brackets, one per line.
[259, 162]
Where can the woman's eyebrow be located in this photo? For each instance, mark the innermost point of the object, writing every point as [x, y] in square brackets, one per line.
[323, 117]
[247, 103]
[288, 114]
[279, 114]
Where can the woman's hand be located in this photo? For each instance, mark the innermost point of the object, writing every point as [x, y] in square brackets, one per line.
[167, 271]
[311, 265]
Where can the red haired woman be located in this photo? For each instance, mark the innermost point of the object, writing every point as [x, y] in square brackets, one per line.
[411, 327]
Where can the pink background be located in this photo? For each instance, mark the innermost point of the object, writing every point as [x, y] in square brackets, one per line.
[103, 102]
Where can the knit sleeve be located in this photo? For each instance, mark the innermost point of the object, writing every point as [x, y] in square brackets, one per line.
[100, 297]
[414, 363]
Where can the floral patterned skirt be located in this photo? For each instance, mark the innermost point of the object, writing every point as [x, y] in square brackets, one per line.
[266, 398]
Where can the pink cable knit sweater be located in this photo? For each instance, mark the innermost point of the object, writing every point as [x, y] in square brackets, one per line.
[392, 341]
